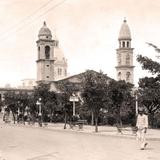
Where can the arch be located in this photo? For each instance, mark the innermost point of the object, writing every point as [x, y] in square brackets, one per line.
[123, 44]
[119, 75]
[47, 52]
[128, 75]
[127, 44]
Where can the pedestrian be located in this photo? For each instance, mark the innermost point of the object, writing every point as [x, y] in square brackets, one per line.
[142, 125]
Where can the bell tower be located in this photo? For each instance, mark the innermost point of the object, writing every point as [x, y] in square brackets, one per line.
[125, 68]
[45, 59]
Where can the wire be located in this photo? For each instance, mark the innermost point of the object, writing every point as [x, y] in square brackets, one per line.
[22, 27]
[29, 16]
[50, 9]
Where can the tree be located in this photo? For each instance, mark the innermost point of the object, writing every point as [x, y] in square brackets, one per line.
[149, 87]
[48, 100]
[95, 92]
[67, 88]
[120, 95]
[16, 100]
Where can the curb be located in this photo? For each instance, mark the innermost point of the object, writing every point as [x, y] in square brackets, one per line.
[60, 129]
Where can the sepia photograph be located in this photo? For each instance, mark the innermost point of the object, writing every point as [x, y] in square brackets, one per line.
[80, 80]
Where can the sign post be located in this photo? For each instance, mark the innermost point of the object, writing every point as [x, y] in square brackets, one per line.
[74, 99]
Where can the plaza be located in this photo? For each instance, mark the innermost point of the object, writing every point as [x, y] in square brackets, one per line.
[24, 142]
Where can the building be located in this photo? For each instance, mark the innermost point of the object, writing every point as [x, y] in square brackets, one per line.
[51, 63]
[125, 68]
[28, 84]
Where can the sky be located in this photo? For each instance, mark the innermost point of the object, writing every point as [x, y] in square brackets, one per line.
[86, 29]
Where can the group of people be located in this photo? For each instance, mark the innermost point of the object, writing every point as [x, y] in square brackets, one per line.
[19, 116]
[141, 124]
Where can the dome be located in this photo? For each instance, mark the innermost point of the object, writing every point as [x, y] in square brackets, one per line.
[124, 31]
[59, 55]
[44, 31]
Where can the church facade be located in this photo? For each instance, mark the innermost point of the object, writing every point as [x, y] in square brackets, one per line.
[125, 68]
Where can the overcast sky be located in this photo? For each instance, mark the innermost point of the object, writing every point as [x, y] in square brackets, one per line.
[87, 30]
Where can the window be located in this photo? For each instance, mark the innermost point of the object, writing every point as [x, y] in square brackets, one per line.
[39, 52]
[65, 72]
[56, 43]
[127, 44]
[127, 59]
[47, 52]
[47, 65]
[123, 44]
[59, 71]
[47, 77]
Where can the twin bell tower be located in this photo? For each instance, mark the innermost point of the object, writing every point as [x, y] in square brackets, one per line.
[52, 65]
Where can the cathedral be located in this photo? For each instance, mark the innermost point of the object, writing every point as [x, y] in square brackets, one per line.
[51, 63]
[125, 68]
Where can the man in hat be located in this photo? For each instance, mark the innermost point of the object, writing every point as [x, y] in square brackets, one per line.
[142, 125]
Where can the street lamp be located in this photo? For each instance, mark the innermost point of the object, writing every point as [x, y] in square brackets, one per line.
[39, 104]
[18, 112]
[135, 94]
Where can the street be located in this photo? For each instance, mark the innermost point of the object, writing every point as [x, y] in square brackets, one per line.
[34, 143]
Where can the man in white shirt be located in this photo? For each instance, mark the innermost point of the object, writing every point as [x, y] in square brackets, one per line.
[142, 125]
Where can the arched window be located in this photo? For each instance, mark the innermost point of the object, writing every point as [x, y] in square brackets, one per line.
[47, 52]
[39, 52]
[123, 44]
[59, 71]
[127, 59]
[128, 74]
[119, 76]
[127, 44]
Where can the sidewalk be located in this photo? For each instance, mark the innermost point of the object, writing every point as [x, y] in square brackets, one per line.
[152, 134]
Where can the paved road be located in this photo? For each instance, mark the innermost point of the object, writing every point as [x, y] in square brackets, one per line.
[32, 143]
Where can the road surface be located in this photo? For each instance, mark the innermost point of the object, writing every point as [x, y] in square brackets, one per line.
[33, 143]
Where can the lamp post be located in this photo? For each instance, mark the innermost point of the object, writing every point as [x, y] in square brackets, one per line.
[136, 103]
[18, 112]
[135, 95]
[39, 111]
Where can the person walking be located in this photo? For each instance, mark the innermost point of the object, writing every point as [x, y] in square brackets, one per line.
[142, 126]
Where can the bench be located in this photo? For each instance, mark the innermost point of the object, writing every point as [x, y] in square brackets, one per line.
[79, 123]
[121, 129]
